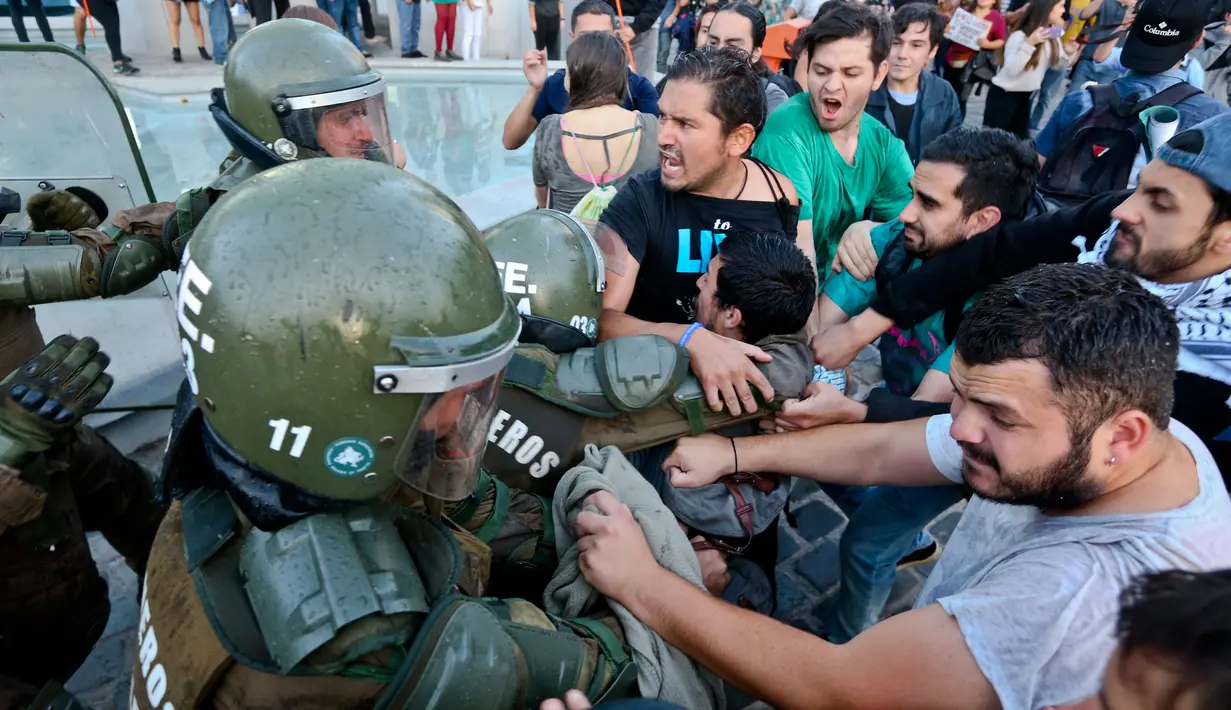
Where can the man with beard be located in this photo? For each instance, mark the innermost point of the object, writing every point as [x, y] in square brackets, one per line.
[845, 164]
[1173, 231]
[968, 181]
[662, 228]
[1082, 482]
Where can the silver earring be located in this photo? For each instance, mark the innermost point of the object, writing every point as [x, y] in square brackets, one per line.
[1111, 460]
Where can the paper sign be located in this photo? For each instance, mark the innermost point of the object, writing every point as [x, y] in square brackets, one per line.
[966, 29]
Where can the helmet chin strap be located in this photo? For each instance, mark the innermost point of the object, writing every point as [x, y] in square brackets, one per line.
[268, 503]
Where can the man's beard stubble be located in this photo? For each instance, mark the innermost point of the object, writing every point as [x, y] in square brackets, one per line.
[1157, 265]
[1059, 485]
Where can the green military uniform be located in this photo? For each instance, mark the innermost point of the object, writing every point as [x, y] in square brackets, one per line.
[293, 89]
[53, 602]
[345, 391]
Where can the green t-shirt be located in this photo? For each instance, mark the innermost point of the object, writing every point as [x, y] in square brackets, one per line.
[906, 356]
[832, 193]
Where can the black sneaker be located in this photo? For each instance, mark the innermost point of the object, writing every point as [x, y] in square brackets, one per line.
[176, 56]
[415, 55]
[124, 68]
[440, 57]
[922, 556]
[367, 54]
[453, 56]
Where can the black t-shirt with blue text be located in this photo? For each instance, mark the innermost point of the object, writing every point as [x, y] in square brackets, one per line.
[673, 236]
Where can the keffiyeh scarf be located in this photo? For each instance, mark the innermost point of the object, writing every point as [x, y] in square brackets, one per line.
[1202, 309]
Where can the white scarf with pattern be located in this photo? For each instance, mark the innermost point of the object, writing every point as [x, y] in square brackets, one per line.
[1202, 309]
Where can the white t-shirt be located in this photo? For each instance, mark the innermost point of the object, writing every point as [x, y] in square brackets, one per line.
[1036, 596]
[807, 9]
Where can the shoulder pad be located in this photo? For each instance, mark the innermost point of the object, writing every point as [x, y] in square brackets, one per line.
[309, 580]
[640, 371]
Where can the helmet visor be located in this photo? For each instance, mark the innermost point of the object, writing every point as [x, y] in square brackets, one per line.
[352, 123]
[441, 459]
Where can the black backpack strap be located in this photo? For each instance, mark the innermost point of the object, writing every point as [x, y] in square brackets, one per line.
[1107, 97]
[1170, 96]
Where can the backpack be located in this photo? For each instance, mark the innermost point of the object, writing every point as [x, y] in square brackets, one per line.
[1095, 154]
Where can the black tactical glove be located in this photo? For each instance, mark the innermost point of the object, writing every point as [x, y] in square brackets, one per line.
[60, 210]
[42, 402]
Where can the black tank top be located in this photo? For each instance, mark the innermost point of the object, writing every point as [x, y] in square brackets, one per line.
[673, 235]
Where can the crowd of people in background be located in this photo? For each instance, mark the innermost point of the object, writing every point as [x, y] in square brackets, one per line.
[1048, 289]
[1102, 140]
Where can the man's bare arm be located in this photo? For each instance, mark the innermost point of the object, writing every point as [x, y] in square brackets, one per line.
[520, 124]
[935, 387]
[842, 343]
[622, 270]
[829, 314]
[914, 660]
[893, 454]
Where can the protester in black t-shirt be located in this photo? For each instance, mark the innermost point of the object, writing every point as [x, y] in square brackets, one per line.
[663, 227]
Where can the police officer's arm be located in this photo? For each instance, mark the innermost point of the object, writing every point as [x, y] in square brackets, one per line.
[915, 660]
[49, 267]
[1003, 251]
[41, 404]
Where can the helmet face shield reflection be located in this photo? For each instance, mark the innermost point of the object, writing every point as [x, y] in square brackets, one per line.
[442, 456]
[351, 123]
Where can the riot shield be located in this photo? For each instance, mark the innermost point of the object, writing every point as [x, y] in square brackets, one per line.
[62, 126]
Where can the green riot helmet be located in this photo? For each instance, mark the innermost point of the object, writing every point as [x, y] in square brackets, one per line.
[551, 267]
[297, 89]
[342, 328]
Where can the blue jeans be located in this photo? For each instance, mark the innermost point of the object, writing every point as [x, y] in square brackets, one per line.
[221, 29]
[664, 49]
[408, 24]
[345, 14]
[1053, 81]
[886, 523]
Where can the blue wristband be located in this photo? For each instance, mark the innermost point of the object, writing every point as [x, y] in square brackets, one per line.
[688, 333]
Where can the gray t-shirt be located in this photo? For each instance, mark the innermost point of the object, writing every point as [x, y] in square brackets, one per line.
[551, 169]
[1036, 596]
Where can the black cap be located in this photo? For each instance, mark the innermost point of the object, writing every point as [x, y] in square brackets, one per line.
[1163, 32]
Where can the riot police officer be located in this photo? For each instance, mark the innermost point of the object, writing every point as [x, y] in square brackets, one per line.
[293, 89]
[344, 384]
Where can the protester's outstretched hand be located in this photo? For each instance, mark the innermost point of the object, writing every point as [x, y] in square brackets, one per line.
[725, 368]
[534, 66]
[856, 253]
[700, 460]
[822, 405]
[615, 557]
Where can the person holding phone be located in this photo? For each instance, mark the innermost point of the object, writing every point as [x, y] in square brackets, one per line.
[1032, 47]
